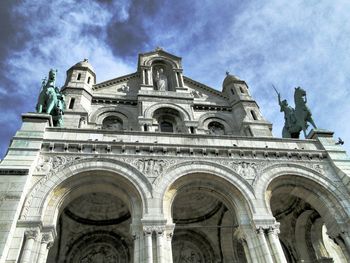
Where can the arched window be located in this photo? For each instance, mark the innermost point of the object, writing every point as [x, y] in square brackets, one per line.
[88, 80]
[216, 128]
[79, 76]
[166, 126]
[112, 123]
[241, 89]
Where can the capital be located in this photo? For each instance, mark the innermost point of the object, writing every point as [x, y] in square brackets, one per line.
[31, 233]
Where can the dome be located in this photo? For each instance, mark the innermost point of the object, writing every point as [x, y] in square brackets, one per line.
[84, 64]
[229, 78]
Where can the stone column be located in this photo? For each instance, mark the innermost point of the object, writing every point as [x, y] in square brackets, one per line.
[150, 78]
[160, 245]
[46, 243]
[246, 251]
[30, 237]
[275, 244]
[341, 242]
[136, 239]
[264, 246]
[148, 245]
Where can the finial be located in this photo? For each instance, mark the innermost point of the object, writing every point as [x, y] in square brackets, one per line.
[227, 73]
[158, 48]
[86, 60]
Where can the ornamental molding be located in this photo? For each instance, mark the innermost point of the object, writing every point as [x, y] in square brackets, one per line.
[155, 167]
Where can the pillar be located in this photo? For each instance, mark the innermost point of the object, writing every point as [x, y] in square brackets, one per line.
[46, 243]
[30, 237]
[160, 245]
[148, 245]
[246, 251]
[275, 244]
[136, 239]
[264, 246]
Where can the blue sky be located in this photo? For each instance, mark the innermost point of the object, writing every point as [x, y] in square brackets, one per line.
[285, 43]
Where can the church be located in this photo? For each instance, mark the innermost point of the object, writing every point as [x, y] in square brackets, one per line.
[155, 167]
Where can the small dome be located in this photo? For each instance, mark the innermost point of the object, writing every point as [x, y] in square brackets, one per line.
[84, 64]
[229, 78]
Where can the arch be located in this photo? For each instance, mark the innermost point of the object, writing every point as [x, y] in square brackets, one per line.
[49, 195]
[308, 185]
[206, 118]
[151, 60]
[148, 114]
[99, 115]
[236, 192]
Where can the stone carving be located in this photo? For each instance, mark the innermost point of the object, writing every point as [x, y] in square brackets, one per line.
[50, 166]
[161, 80]
[152, 167]
[216, 128]
[103, 254]
[51, 100]
[31, 233]
[150, 229]
[295, 119]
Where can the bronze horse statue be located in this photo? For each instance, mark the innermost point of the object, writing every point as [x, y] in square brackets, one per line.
[296, 120]
[51, 100]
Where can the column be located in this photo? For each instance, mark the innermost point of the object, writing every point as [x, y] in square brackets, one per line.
[160, 245]
[168, 249]
[150, 78]
[46, 243]
[136, 239]
[275, 243]
[246, 251]
[339, 242]
[346, 237]
[148, 245]
[30, 237]
[177, 79]
[264, 246]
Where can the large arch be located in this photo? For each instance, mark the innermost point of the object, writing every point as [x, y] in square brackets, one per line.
[236, 192]
[312, 186]
[48, 197]
[297, 196]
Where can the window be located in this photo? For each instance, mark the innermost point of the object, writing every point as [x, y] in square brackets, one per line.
[79, 76]
[166, 126]
[253, 115]
[241, 89]
[71, 103]
[88, 81]
[232, 91]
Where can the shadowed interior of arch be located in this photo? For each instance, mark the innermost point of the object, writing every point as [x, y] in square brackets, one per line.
[205, 224]
[96, 210]
[302, 224]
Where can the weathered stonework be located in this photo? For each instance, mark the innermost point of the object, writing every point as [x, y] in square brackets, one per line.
[152, 168]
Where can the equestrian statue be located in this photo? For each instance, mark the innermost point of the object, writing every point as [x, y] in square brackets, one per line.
[296, 119]
[51, 100]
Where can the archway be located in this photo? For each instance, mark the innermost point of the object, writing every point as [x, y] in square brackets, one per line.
[304, 210]
[206, 212]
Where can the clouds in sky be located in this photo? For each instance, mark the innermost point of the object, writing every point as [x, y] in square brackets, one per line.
[287, 43]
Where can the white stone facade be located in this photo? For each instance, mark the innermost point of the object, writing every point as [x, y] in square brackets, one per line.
[166, 172]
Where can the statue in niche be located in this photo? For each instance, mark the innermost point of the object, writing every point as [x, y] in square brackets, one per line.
[295, 120]
[216, 128]
[161, 80]
[112, 123]
[51, 100]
